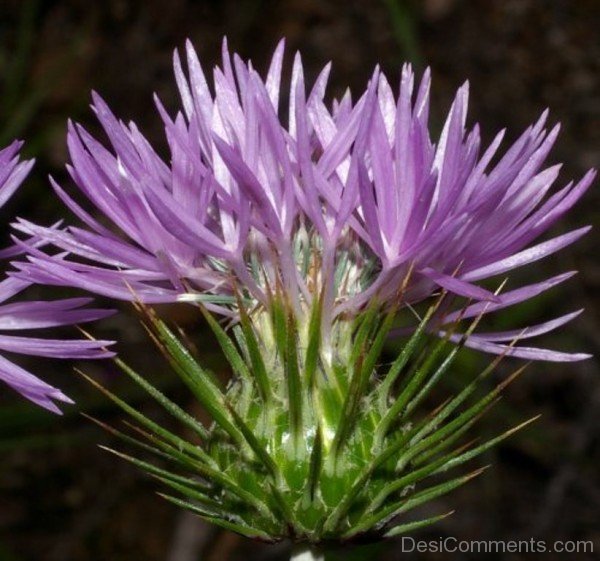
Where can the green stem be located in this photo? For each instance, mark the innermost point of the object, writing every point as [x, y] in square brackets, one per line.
[306, 552]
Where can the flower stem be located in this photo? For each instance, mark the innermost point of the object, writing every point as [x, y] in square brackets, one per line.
[306, 552]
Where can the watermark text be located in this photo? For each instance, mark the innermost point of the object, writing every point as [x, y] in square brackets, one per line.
[454, 545]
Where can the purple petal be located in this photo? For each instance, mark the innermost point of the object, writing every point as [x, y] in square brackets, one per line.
[459, 286]
[530, 331]
[510, 298]
[530, 353]
[56, 348]
[31, 387]
[40, 314]
[526, 256]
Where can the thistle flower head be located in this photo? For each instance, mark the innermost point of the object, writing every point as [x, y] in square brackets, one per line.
[311, 235]
[19, 316]
[345, 203]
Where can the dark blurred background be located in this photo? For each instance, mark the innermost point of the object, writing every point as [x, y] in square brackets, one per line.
[63, 499]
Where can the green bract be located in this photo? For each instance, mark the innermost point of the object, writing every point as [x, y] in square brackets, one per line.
[312, 440]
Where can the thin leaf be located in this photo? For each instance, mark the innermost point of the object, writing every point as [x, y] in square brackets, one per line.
[191, 493]
[127, 438]
[316, 464]
[485, 446]
[410, 479]
[294, 381]
[448, 361]
[449, 461]
[358, 381]
[398, 365]
[258, 365]
[261, 452]
[467, 414]
[451, 439]
[359, 483]
[314, 342]
[215, 475]
[178, 442]
[231, 353]
[197, 379]
[169, 405]
[244, 530]
[416, 525]
[385, 515]
[412, 386]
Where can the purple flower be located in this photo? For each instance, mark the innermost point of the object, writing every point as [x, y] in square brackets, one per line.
[348, 202]
[37, 314]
